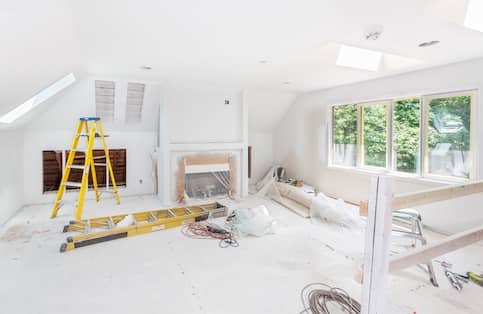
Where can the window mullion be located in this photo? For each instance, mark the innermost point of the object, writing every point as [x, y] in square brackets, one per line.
[423, 163]
[360, 134]
[390, 147]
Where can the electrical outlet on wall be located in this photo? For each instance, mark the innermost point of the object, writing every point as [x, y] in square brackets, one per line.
[140, 181]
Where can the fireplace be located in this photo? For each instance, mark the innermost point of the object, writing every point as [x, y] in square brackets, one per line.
[205, 176]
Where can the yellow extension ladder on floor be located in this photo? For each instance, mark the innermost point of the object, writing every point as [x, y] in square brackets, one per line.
[91, 128]
[102, 229]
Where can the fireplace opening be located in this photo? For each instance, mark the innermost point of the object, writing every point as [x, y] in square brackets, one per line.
[207, 185]
[204, 176]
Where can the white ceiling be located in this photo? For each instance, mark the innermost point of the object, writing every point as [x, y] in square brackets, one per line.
[219, 42]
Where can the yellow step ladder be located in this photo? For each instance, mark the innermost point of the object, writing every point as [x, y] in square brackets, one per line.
[91, 129]
[102, 229]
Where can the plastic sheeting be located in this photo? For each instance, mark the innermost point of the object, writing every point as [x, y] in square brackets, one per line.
[207, 185]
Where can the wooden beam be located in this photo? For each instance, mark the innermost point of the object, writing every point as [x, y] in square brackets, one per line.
[363, 208]
[428, 252]
[376, 253]
[435, 195]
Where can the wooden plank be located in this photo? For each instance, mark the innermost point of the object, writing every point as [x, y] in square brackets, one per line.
[378, 239]
[428, 252]
[363, 208]
[435, 195]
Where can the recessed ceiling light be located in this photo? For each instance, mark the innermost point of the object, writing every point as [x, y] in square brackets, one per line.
[37, 99]
[428, 43]
[359, 58]
[474, 15]
[146, 67]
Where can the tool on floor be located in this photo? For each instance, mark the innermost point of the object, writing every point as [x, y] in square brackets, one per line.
[102, 229]
[456, 280]
[91, 129]
[207, 230]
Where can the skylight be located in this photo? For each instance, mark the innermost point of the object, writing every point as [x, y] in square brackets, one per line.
[359, 58]
[134, 102]
[474, 15]
[36, 100]
[105, 97]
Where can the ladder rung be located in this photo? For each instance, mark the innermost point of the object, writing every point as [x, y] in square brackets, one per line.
[110, 223]
[152, 217]
[76, 184]
[76, 166]
[97, 135]
[100, 165]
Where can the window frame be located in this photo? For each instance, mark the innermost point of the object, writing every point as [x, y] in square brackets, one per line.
[391, 163]
[425, 125]
[360, 142]
[331, 136]
[418, 172]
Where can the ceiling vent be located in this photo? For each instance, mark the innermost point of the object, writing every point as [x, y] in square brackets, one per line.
[134, 102]
[105, 92]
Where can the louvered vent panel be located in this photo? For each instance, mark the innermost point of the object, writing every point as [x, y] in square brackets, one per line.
[105, 92]
[134, 102]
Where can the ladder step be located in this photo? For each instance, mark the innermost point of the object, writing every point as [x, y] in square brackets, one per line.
[75, 184]
[97, 135]
[100, 165]
[75, 167]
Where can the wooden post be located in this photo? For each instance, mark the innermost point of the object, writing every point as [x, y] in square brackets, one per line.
[378, 240]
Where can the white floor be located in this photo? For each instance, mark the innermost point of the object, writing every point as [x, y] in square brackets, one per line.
[165, 272]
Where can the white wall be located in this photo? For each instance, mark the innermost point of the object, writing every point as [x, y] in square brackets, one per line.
[54, 126]
[266, 108]
[11, 173]
[262, 153]
[302, 147]
[201, 116]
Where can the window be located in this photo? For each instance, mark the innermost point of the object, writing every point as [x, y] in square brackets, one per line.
[38, 99]
[388, 135]
[374, 134]
[406, 129]
[105, 93]
[134, 102]
[359, 58]
[344, 135]
[52, 170]
[448, 126]
[54, 162]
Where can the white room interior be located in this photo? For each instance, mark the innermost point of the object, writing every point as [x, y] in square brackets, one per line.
[256, 85]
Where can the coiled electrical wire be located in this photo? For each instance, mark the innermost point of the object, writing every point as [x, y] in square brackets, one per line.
[207, 230]
[316, 296]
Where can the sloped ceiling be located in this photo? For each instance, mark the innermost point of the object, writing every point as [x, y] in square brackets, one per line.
[252, 44]
[266, 108]
[38, 46]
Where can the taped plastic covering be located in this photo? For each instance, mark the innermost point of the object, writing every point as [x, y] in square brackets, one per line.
[214, 184]
[335, 211]
[205, 159]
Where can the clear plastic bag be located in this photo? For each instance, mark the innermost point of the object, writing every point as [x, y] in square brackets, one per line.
[254, 221]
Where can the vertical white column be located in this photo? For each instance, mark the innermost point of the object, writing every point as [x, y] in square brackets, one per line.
[164, 175]
[378, 240]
